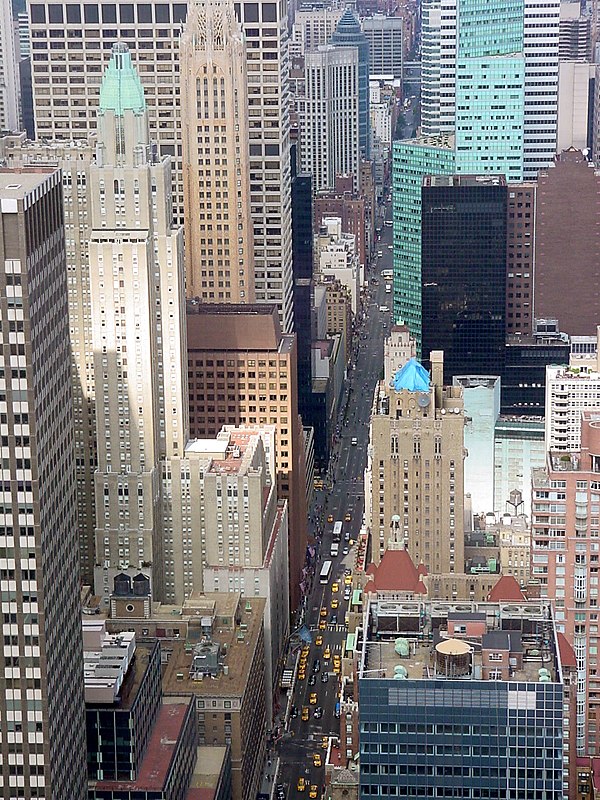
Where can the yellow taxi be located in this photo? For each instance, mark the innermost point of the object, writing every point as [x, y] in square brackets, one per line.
[305, 714]
[325, 742]
[319, 640]
[301, 675]
[337, 665]
[335, 587]
[313, 791]
[348, 517]
[317, 760]
[334, 603]
[323, 612]
[327, 654]
[348, 580]
[301, 785]
[313, 699]
[330, 518]
[323, 625]
[305, 650]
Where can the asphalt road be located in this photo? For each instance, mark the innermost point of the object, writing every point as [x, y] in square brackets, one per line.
[345, 496]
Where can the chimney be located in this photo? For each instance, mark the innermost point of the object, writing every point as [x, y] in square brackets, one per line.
[437, 375]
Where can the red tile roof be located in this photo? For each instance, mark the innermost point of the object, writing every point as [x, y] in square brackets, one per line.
[596, 773]
[397, 572]
[161, 749]
[567, 654]
[506, 588]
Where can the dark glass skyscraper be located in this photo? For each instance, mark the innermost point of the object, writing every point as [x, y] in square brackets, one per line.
[463, 272]
[349, 34]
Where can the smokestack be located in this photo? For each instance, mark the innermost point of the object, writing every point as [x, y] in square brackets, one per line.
[436, 358]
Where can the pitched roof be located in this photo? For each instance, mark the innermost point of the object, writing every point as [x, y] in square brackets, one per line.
[412, 376]
[121, 87]
[397, 572]
[567, 654]
[506, 588]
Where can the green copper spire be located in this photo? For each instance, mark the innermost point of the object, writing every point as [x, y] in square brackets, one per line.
[121, 86]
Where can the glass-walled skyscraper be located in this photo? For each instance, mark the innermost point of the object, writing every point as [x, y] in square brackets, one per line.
[349, 34]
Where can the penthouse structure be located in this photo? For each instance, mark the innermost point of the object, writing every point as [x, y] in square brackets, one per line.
[474, 697]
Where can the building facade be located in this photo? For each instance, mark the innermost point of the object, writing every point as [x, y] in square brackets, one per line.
[330, 116]
[463, 272]
[520, 257]
[415, 467]
[138, 334]
[43, 655]
[219, 254]
[10, 116]
[385, 37]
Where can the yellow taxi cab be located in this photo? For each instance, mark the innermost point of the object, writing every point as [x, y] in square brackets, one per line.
[323, 612]
[322, 625]
[330, 518]
[317, 761]
[327, 653]
[347, 620]
[348, 517]
[319, 640]
[334, 603]
[335, 587]
[313, 699]
[313, 791]
[301, 675]
[301, 785]
[348, 580]
[325, 742]
[305, 714]
[337, 667]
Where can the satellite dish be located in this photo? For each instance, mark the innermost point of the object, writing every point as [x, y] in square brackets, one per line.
[423, 400]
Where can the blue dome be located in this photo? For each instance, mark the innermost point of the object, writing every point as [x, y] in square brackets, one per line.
[413, 377]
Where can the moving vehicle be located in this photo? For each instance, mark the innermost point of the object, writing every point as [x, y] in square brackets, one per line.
[301, 785]
[305, 713]
[319, 640]
[347, 593]
[313, 792]
[388, 288]
[379, 253]
[325, 573]
[327, 654]
[348, 517]
[354, 441]
[330, 518]
[335, 587]
[312, 680]
[313, 699]
[317, 762]
[324, 677]
[337, 531]
[316, 665]
[383, 309]
[318, 712]
[388, 223]
[387, 273]
[335, 549]
[323, 612]
[348, 579]
[325, 742]
[334, 604]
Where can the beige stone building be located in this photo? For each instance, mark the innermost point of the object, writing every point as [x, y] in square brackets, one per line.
[138, 332]
[338, 303]
[242, 371]
[219, 254]
[74, 159]
[414, 477]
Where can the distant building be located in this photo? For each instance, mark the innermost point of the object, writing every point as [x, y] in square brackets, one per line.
[415, 467]
[463, 272]
[336, 258]
[385, 37]
[481, 396]
[312, 27]
[10, 113]
[574, 33]
[518, 449]
[520, 257]
[447, 694]
[351, 208]
[398, 348]
[568, 190]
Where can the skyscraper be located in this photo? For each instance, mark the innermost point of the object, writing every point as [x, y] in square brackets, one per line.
[41, 708]
[138, 334]
[385, 37]
[330, 116]
[219, 256]
[66, 87]
[9, 72]
[463, 272]
[348, 33]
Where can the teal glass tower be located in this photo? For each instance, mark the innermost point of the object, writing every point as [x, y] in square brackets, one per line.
[479, 93]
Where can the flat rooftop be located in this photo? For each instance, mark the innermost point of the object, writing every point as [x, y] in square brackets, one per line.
[159, 755]
[240, 649]
[464, 180]
[15, 184]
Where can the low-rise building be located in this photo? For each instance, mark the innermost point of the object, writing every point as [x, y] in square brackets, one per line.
[336, 257]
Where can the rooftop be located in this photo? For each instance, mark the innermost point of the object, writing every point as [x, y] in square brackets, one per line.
[464, 180]
[159, 755]
[254, 327]
[412, 376]
[17, 184]
[237, 652]
[121, 88]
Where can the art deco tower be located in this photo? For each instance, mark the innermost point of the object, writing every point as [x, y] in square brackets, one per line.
[136, 278]
[216, 174]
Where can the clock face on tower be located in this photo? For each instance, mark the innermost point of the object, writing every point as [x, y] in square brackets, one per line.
[423, 400]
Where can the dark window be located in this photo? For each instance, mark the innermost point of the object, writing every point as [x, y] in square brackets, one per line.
[91, 14]
[38, 14]
[271, 149]
[126, 12]
[236, 8]
[256, 149]
[144, 12]
[269, 12]
[109, 13]
[250, 12]
[55, 13]
[74, 14]
[179, 12]
[162, 13]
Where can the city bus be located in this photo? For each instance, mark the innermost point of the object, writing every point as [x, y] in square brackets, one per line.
[337, 531]
[325, 573]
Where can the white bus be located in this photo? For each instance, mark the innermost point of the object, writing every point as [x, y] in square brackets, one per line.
[325, 573]
[387, 273]
[337, 531]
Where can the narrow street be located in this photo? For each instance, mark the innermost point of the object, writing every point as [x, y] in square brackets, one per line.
[341, 499]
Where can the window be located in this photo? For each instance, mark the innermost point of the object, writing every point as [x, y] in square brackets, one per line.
[55, 13]
[126, 12]
[144, 11]
[38, 13]
[162, 12]
[250, 12]
[74, 14]
[90, 13]
[109, 13]
[269, 12]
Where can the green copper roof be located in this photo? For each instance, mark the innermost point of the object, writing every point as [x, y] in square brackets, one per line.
[121, 86]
